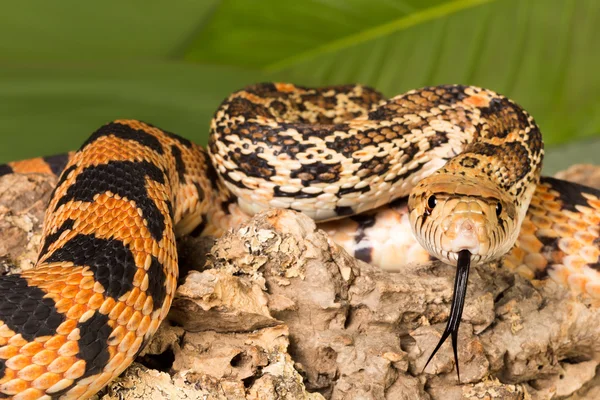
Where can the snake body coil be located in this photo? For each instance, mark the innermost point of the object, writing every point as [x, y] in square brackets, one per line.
[107, 269]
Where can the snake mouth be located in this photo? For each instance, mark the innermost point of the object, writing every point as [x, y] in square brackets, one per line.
[452, 257]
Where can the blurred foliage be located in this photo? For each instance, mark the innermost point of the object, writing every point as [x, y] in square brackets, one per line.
[67, 67]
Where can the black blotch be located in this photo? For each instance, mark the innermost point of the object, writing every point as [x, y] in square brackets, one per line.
[541, 274]
[156, 283]
[511, 114]
[343, 211]
[199, 190]
[534, 139]
[252, 165]
[179, 164]
[550, 242]
[277, 192]
[225, 204]
[111, 262]
[211, 174]
[364, 251]
[170, 208]
[66, 226]
[57, 163]
[181, 140]
[2, 369]
[197, 232]
[278, 107]
[398, 203]
[239, 106]
[410, 153]
[262, 89]
[364, 221]
[438, 139]
[469, 162]
[5, 169]
[317, 172]
[24, 309]
[570, 193]
[63, 177]
[344, 191]
[127, 133]
[59, 393]
[125, 178]
[93, 343]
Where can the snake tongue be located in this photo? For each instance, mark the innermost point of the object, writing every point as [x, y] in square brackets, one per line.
[456, 309]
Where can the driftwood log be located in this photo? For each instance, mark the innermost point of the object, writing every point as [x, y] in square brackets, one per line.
[275, 310]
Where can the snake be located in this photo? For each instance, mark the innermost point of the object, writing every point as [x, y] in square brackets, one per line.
[458, 166]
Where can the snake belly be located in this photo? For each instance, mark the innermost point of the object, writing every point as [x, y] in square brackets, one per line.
[107, 268]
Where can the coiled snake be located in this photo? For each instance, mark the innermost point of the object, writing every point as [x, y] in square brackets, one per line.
[469, 158]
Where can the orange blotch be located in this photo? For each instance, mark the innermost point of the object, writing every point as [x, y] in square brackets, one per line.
[7, 352]
[125, 316]
[31, 372]
[134, 321]
[115, 362]
[477, 101]
[116, 310]
[44, 357]
[127, 342]
[55, 342]
[34, 165]
[61, 364]
[46, 380]
[17, 340]
[76, 311]
[137, 343]
[32, 348]
[18, 362]
[66, 327]
[285, 87]
[29, 394]
[117, 335]
[76, 370]
[60, 385]
[68, 349]
[14, 386]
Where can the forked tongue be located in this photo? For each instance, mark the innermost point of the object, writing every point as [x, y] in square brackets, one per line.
[456, 309]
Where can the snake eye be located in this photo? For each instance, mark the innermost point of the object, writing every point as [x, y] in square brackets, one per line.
[431, 202]
[498, 209]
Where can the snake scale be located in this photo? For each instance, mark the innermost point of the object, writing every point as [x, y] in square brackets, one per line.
[468, 159]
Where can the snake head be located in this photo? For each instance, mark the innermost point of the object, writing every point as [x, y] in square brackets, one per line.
[449, 213]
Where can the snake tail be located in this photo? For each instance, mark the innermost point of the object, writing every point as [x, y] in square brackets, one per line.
[456, 309]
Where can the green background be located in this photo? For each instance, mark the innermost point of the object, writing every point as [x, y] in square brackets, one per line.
[67, 67]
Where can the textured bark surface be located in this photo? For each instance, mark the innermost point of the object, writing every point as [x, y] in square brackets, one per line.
[275, 310]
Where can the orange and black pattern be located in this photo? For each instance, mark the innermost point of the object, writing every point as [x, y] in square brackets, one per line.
[107, 268]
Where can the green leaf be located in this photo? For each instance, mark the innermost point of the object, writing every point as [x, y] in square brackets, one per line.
[52, 109]
[75, 30]
[272, 34]
[541, 53]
